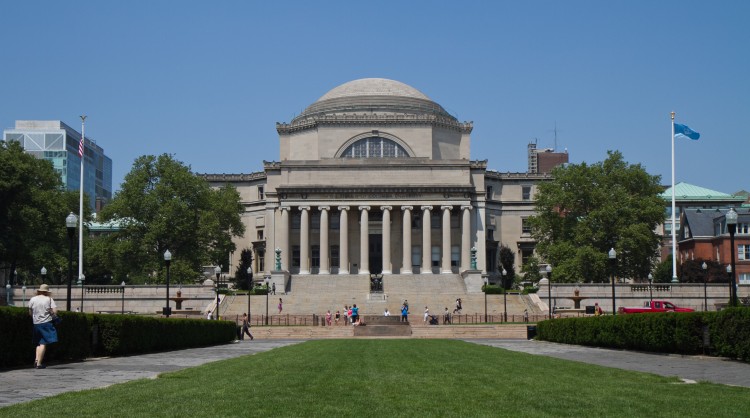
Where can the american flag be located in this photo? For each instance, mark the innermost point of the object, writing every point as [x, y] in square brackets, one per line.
[80, 148]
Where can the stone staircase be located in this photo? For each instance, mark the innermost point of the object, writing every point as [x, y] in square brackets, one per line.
[316, 294]
[383, 326]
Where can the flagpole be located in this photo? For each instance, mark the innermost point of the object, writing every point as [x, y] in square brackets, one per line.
[81, 151]
[674, 232]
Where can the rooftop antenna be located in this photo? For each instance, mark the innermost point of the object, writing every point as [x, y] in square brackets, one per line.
[554, 148]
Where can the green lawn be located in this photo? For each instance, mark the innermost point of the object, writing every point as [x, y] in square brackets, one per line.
[387, 378]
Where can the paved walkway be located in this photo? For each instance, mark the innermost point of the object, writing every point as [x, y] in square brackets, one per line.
[21, 385]
[695, 368]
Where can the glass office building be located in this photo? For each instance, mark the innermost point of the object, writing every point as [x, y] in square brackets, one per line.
[57, 142]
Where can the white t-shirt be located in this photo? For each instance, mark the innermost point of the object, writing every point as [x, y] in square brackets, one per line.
[39, 306]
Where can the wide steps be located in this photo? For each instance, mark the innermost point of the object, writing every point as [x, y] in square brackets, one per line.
[467, 332]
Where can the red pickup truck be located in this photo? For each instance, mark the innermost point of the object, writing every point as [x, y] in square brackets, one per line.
[654, 306]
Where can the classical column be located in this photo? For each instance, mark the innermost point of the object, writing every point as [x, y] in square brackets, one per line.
[465, 237]
[364, 240]
[446, 267]
[426, 238]
[386, 239]
[284, 241]
[344, 240]
[304, 240]
[406, 263]
[324, 262]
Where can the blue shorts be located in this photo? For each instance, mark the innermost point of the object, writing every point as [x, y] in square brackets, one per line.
[44, 333]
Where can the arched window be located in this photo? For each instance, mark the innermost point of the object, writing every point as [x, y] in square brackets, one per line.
[375, 147]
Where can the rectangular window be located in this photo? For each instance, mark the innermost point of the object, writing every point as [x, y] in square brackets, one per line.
[335, 220]
[435, 220]
[261, 261]
[455, 255]
[261, 195]
[490, 235]
[296, 220]
[526, 253]
[744, 278]
[295, 256]
[489, 192]
[743, 252]
[416, 222]
[743, 229]
[455, 221]
[416, 256]
[435, 256]
[525, 226]
[315, 256]
[526, 192]
[315, 221]
[260, 235]
[334, 256]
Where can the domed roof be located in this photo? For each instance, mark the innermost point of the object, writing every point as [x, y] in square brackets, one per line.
[373, 96]
[373, 87]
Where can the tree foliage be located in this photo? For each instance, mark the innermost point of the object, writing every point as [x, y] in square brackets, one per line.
[588, 209]
[163, 206]
[242, 278]
[507, 257]
[33, 207]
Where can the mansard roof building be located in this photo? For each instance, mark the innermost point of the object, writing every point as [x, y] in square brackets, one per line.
[376, 178]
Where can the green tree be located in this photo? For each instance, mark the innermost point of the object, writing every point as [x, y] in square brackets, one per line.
[588, 209]
[506, 258]
[163, 206]
[691, 271]
[242, 278]
[530, 270]
[663, 271]
[33, 207]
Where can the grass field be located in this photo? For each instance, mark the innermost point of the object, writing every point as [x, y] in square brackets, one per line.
[397, 378]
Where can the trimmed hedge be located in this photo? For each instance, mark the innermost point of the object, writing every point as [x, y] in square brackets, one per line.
[83, 335]
[729, 332]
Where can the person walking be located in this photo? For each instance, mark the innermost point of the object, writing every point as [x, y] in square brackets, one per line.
[41, 308]
[426, 314]
[246, 327]
[281, 305]
[328, 318]
[273, 288]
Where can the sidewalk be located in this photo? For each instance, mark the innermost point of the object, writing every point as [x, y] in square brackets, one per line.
[21, 385]
[694, 368]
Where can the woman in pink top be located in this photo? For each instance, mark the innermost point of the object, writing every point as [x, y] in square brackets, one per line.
[328, 318]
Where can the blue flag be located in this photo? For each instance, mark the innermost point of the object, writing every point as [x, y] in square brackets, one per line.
[684, 130]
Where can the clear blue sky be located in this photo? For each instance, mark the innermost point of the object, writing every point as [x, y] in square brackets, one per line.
[206, 81]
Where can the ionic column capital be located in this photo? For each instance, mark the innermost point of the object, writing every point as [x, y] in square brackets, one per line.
[465, 207]
[407, 207]
[304, 208]
[364, 208]
[285, 208]
[427, 207]
[322, 208]
[343, 208]
[446, 207]
[386, 208]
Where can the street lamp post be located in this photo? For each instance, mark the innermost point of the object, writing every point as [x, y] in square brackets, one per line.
[612, 261]
[704, 266]
[548, 273]
[217, 271]
[15, 277]
[651, 287]
[81, 281]
[267, 280]
[505, 298]
[729, 274]
[167, 261]
[23, 290]
[249, 289]
[70, 222]
[7, 294]
[731, 219]
[486, 282]
[122, 287]
[44, 274]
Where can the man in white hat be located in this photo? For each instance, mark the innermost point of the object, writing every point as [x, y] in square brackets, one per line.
[41, 308]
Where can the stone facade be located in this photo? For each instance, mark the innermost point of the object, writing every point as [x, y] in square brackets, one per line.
[374, 177]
